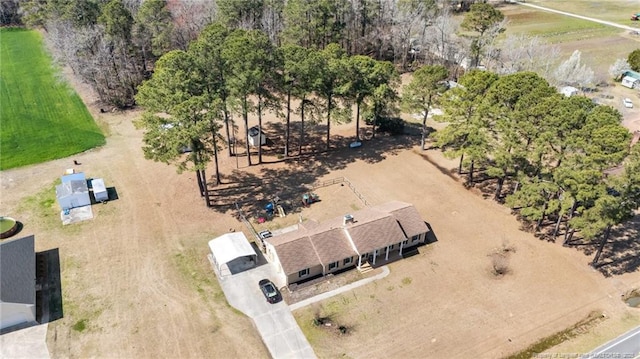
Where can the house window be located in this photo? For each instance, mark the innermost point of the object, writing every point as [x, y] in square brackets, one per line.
[391, 246]
[303, 273]
[347, 261]
[333, 265]
[404, 243]
[415, 238]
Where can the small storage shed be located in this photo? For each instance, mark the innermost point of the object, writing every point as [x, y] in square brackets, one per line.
[73, 192]
[630, 82]
[569, 91]
[99, 190]
[256, 135]
[232, 253]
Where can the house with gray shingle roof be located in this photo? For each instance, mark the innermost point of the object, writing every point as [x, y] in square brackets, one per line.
[374, 233]
[17, 282]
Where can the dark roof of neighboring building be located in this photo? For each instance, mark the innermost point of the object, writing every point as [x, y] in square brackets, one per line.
[632, 74]
[18, 270]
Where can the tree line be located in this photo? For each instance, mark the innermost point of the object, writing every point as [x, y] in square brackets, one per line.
[113, 44]
[552, 159]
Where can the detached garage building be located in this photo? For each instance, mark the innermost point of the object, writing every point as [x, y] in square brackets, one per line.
[232, 253]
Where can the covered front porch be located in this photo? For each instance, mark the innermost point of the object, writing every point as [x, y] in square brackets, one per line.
[382, 256]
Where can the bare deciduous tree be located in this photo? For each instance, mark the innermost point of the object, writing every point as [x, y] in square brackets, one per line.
[190, 17]
[272, 20]
[574, 73]
[407, 30]
[521, 52]
[446, 47]
[618, 68]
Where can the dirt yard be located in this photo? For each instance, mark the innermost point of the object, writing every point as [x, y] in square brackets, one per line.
[444, 301]
[137, 278]
[136, 282]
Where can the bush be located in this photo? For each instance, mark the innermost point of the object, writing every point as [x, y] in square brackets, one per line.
[391, 125]
[499, 265]
[500, 260]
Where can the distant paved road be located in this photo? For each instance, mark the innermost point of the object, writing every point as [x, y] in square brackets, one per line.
[625, 346]
[604, 22]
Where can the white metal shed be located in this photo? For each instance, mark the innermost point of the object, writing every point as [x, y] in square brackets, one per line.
[99, 190]
[73, 192]
[232, 253]
[256, 137]
[569, 91]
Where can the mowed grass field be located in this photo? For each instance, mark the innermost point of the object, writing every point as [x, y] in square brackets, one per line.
[618, 11]
[41, 117]
[599, 44]
[553, 28]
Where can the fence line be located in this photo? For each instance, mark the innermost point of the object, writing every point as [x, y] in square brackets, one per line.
[243, 218]
[327, 182]
[245, 221]
[355, 191]
[340, 180]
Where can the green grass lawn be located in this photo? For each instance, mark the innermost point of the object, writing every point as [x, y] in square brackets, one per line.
[41, 117]
[554, 28]
[618, 11]
[600, 45]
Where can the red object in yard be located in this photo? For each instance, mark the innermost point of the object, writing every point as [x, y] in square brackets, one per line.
[261, 220]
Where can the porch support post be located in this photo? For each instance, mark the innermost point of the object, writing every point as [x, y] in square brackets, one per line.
[386, 257]
[375, 254]
[359, 260]
[401, 245]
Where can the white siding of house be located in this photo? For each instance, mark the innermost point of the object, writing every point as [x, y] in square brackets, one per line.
[273, 258]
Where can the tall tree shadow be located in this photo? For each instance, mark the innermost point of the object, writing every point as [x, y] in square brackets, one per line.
[293, 176]
[620, 255]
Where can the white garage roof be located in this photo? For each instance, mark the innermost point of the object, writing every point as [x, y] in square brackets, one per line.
[229, 247]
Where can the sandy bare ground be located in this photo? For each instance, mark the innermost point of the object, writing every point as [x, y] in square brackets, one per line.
[138, 276]
[444, 302]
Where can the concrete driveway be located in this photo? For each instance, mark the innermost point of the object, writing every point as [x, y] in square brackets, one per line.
[25, 343]
[279, 330]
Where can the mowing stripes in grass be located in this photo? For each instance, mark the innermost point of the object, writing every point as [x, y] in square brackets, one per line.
[41, 117]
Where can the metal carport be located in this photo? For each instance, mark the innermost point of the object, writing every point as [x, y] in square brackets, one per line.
[232, 253]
